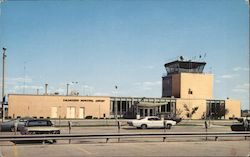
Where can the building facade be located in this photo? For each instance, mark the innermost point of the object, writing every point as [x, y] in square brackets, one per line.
[54, 106]
[186, 91]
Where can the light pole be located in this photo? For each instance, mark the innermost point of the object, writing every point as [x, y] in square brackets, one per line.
[67, 93]
[75, 92]
[99, 111]
[116, 107]
[190, 92]
[3, 82]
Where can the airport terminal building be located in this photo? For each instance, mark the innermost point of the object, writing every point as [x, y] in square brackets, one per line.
[186, 91]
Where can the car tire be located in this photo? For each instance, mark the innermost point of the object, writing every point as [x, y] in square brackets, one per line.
[169, 126]
[144, 126]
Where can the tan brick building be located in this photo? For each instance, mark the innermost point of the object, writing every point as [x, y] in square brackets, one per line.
[184, 88]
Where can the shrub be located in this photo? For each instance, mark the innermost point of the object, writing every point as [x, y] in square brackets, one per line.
[88, 117]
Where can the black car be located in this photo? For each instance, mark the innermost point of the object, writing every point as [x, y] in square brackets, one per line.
[10, 125]
[39, 126]
[244, 126]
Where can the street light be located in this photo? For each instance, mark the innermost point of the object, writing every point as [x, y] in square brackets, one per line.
[3, 82]
[75, 92]
[190, 92]
[67, 93]
[116, 105]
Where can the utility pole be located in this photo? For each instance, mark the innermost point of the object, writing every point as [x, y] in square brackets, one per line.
[116, 105]
[3, 94]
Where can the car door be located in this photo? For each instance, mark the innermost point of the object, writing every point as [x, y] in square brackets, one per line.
[150, 122]
[155, 122]
[158, 122]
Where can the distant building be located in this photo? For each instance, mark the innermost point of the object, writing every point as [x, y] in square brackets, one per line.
[186, 91]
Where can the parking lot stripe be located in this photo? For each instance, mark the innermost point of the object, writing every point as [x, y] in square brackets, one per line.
[1, 154]
[80, 147]
[15, 151]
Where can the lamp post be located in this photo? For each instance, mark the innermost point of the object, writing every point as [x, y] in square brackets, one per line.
[67, 92]
[76, 92]
[189, 93]
[116, 107]
[3, 82]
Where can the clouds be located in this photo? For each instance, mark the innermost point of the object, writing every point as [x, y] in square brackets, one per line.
[227, 76]
[243, 88]
[18, 80]
[240, 69]
[148, 85]
[236, 72]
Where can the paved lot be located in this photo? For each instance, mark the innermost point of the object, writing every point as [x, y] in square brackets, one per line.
[211, 148]
[133, 147]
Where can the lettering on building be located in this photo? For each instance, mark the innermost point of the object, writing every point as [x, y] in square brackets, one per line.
[73, 100]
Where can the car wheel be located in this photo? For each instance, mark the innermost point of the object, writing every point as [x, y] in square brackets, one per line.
[144, 126]
[169, 126]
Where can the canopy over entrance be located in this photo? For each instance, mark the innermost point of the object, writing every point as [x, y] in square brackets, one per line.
[150, 104]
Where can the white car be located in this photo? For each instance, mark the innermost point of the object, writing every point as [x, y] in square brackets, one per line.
[151, 122]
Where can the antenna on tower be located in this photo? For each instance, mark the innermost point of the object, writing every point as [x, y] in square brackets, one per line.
[210, 70]
[205, 54]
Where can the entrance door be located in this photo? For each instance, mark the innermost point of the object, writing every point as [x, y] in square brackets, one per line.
[81, 112]
[145, 112]
[71, 112]
[151, 112]
[53, 112]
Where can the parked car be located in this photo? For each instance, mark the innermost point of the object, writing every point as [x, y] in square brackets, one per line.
[244, 126]
[10, 125]
[151, 122]
[176, 119]
[170, 116]
[39, 126]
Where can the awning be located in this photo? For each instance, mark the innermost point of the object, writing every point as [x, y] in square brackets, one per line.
[150, 104]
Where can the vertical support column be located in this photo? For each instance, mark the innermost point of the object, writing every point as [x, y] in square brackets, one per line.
[115, 105]
[127, 105]
[120, 108]
[111, 107]
[175, 107]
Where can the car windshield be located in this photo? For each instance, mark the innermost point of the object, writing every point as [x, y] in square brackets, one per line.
[39, 123]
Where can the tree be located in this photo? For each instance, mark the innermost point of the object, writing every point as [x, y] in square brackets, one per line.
[220, 112]
[190, 112]
[179, 112]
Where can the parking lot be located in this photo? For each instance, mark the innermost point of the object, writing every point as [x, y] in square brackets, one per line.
[211, 148]
[188, 146]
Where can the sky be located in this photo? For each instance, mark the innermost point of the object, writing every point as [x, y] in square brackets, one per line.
[95, 45]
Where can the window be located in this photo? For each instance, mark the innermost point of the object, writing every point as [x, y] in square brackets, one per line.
[163, 109]
[123, 106]
[168, 107]
[39, 123]
[153, 119]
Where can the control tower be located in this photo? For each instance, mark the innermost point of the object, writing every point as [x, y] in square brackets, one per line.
[186, 79]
